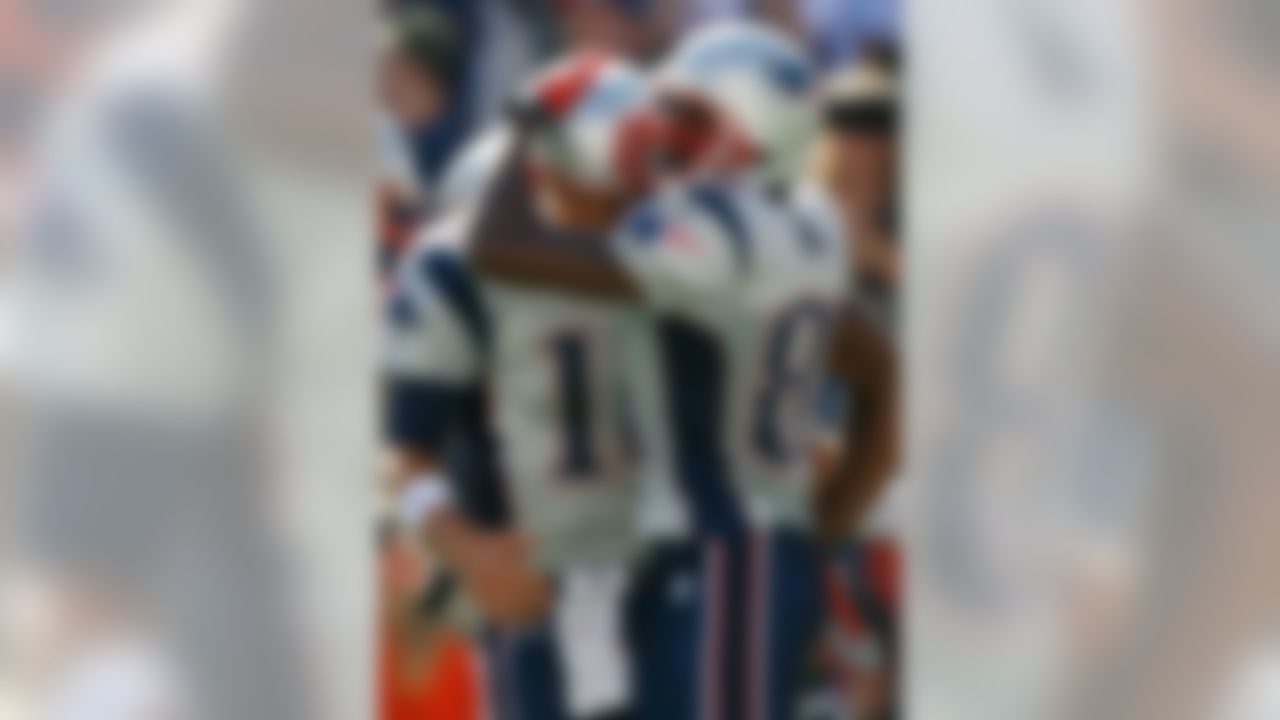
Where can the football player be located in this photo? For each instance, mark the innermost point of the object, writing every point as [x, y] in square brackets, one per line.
[505, 410]
[741, 278]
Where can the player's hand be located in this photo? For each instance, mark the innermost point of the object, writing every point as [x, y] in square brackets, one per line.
[826, 458]
[504, 582]
[497, 571]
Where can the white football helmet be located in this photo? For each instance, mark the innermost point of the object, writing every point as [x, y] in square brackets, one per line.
[596, 121]
[758, 80]
[469, 175]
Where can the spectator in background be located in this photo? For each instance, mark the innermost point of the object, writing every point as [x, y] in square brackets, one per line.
[782, 14]
[840, 31]
[857, 159]
[420, 78]
[834, 30]
[628, 28]
[420, 69]
[428, 670]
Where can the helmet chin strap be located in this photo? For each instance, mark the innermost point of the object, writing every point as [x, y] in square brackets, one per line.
[734, 153]
[728, 154]
[712, 146]
[564, 202]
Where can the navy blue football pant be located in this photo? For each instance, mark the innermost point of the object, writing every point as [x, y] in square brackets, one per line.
[721, 629]
[523, 674]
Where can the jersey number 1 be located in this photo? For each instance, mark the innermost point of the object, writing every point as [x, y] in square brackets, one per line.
[580, 454]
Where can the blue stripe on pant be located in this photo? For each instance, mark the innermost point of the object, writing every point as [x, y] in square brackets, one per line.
[523, 674]
[720, 629]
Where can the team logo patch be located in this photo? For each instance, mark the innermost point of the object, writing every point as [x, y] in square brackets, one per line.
[402, 312]
[677, 237]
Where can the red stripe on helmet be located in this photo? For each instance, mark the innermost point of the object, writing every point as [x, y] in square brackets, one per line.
[568, 82]
[633, 146]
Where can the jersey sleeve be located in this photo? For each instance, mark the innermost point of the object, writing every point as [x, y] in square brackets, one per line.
[822, 222]
[428, 335]
[682, 248]
[432, 350]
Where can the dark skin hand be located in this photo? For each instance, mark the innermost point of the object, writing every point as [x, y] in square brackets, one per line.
[496, 569]
[514, 244]
[494, 566]
[863, 358]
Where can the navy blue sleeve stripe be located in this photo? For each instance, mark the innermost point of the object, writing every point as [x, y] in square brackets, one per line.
[809, 235]
[452, 423]
[694, 367]
[459, 289]
[717, 203]
[419, 414]
[401, 311]
[474, 459]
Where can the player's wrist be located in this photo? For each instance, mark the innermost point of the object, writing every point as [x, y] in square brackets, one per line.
[423, 502]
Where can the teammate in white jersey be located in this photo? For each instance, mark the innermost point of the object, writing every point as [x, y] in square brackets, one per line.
[518, 393]
[741, 277]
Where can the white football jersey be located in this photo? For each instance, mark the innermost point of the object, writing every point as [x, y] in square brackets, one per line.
[551, 368]
[740, 285]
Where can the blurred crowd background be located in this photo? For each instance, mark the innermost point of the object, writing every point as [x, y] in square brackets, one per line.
[1091, 328]
[449, 66]
[447, 69]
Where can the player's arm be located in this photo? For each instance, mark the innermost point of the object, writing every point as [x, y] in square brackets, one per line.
[418, 415]
[864, 362]
[513, 243]
[430, 361]
[492, 565]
